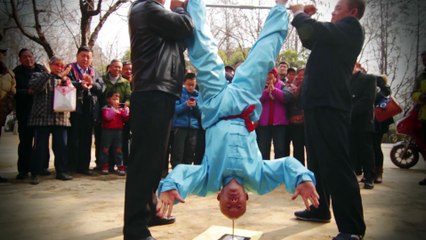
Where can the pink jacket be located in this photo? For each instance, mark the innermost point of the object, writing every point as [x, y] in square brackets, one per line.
[273, 107]
[114, 118]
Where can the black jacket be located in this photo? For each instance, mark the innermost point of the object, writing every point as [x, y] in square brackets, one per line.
[363, 96]
[24, 101]
[334, 50]
[157, 45]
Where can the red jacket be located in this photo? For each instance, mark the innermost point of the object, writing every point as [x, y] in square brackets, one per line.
[113, 118]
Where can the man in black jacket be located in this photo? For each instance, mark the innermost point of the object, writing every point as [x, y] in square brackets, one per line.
[24, 102]
[157, 45]
[85, 120]
[326, 100]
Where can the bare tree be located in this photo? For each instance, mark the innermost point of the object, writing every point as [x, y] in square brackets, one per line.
[394, 34]
[88, 12]
[39, 36]
[37, 22]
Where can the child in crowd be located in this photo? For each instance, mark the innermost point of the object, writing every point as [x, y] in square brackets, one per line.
[185, 123]
[114, 114]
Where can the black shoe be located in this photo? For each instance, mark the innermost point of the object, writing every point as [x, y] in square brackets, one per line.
[45, 172]
[3, 180]
[368, 184]
[63, 176]
[34, 180]
[312, 215]
[86, 172]
[347, 236]
[149, 238]
[97, 169]
[21, 176]
[378, 179]
[157, 221]
[422, 182]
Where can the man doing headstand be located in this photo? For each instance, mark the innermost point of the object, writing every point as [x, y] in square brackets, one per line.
[232, 160]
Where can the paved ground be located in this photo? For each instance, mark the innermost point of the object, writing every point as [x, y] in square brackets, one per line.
[92, 208]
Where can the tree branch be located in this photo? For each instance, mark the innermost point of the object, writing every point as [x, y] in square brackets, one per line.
[41, 39]
[102, 20]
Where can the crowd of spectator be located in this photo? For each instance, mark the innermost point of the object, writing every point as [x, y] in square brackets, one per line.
[280, 129]
[332, 129]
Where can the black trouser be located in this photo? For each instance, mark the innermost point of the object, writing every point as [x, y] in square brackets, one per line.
[183, 150]
[150, 121]
[25, 146]
[97, 133]
[125, 143]
[59, 147]
[125, 135]
[80, 141]
[362, 153]
[296, 135]
[200, 146]
[168, 155]
[378, 153]
[276, 135]
[327, 144]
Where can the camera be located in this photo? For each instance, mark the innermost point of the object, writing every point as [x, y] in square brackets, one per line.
[121, 105]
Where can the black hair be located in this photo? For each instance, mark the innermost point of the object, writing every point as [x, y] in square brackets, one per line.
[23, 50]
[358, 4]
[189, 76]
[229, 67]
[83, 49]
[111, 93]
[291, 69]
[284, 62]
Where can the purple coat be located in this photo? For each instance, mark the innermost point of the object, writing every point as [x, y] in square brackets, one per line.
[277, 103]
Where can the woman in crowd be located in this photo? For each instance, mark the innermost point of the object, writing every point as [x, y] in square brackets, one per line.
[45, 121]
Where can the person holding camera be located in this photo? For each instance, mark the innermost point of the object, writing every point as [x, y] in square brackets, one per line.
[185, 123]
[115, 81]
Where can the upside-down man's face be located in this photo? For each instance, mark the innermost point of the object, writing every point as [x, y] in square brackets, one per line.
[233, 200]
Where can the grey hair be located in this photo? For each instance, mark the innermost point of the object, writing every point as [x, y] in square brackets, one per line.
[55, 59]
[116, 60]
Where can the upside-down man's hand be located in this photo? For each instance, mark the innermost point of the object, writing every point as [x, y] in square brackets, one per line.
[308, 193]
[167, 200]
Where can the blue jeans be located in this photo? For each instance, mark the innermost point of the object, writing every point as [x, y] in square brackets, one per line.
[59, 147]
